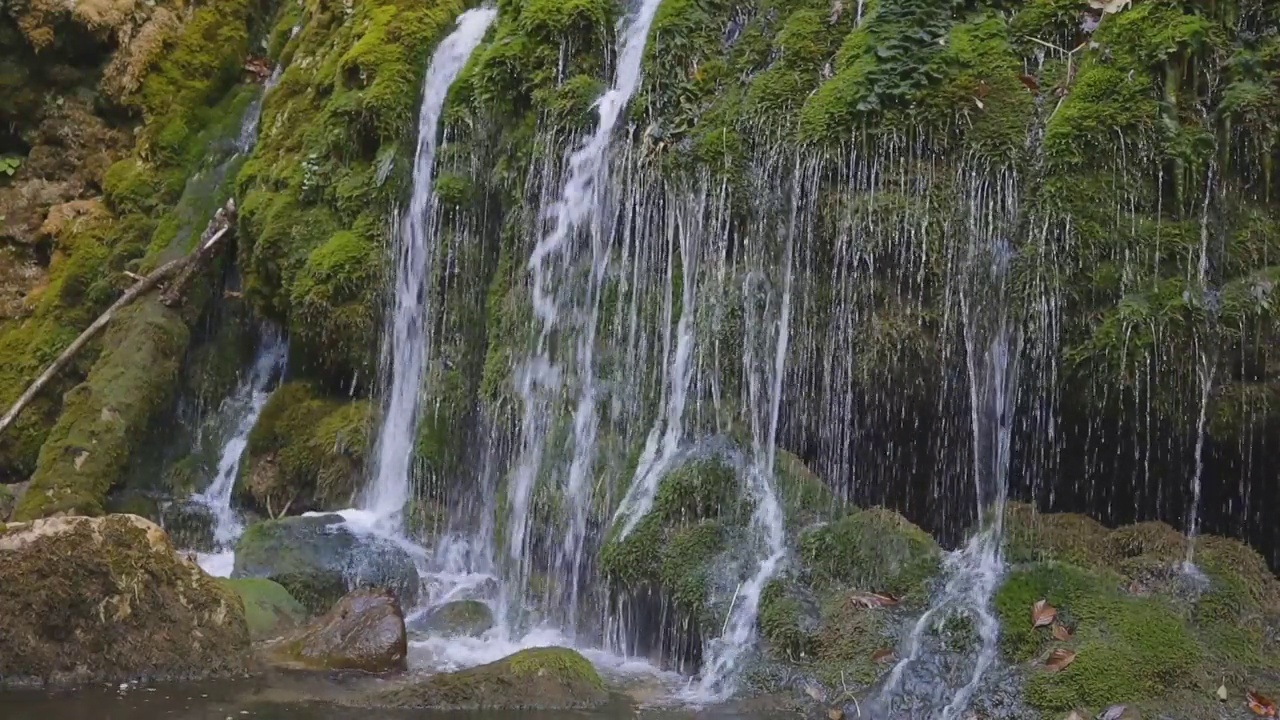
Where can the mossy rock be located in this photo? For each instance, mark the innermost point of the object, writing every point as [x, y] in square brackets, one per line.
[875, 550]
[8, 499]
[306, 451]
[269, 609]
[318, 560]
[469, 618]
[93, 600]
[546, 678]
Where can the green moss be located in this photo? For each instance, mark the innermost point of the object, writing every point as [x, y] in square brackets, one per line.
[306, 451]
[333, 302]
[106, 417]
[454, 191]
[873, 550]
[547, 678]
[781, 625]
[269, 609]
[1127, 649]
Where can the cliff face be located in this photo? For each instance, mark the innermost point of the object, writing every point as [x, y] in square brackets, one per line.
[1125, 158]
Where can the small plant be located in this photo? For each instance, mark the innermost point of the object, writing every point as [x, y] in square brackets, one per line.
[9, 164]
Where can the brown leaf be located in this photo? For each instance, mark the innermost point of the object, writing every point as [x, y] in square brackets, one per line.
[1061, 633]
[883, 655]
[1043, 614]
[835, 714]
[1030, 81]
[1261, 705]
[871, 600]
[1059, 659]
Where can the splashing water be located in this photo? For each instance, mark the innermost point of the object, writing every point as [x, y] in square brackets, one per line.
[248, 400]
[408, 339]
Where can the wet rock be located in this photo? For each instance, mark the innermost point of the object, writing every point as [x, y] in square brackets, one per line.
[318, 560]
[548, 678]
[269, 609]
[108, 599]
[364, 631]
[463, 617]
[189, 524]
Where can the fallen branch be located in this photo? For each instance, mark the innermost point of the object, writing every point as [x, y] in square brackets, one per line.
[184, 268]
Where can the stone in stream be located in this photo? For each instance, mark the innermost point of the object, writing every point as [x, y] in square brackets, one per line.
[469, 618]
[363, 631]
[318, 560]
[269, 609]
[108, 599]
[546, 678]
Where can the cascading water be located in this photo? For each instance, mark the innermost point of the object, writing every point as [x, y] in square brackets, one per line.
[408, 337]
[246, 404]
[992, 347]
[577, 211]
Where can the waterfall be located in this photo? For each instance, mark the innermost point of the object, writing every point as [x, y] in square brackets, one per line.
[540, 380]
[246, 405]
[407, 341]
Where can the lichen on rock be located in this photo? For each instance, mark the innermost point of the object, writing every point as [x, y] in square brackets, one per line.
[91, 600]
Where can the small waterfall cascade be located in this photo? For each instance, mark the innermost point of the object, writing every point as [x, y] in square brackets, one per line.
[992, 347]
[249, 130]
[408, 338]
[246, 405]
[559, 298]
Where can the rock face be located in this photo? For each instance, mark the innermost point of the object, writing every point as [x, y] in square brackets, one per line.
[462, 617]
[364, 631]
[548, 678]
[318, 560]
[269, 609]
[108, 599]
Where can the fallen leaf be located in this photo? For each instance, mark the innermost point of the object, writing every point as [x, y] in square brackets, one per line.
[1261, 705]
[1059, 659]
[1043, 614]
[1061, 633]
[1074, 716]
[1222, 693]
[883, 655]
[835, 714]
[1113, 713]
[1030, 81]
[871, 600]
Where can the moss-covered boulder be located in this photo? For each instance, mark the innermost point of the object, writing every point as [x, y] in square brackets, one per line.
[461, 617]
[363, 631]
[547, 678]
[1146, 630]
[306, 452]
[875, 550]
[269, 609]
[88, 600]
[318, 560]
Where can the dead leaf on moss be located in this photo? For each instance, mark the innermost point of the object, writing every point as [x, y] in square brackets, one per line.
[1030, 82]
[1059, 659]
[871, 600]
[1061, 633]
[883, 655]
[1261, 705]
[835, 714]
[1222, 693]
[1043, 614]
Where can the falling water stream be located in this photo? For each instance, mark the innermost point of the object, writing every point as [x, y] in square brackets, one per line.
[246, 405]
[408, 337]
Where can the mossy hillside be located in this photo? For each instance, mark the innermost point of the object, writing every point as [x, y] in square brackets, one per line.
[332, 158]
[1141, 626]
[306, 452]
[548, 678]
[176, 99]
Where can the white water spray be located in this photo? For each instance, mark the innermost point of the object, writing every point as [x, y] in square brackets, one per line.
[408, 339]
